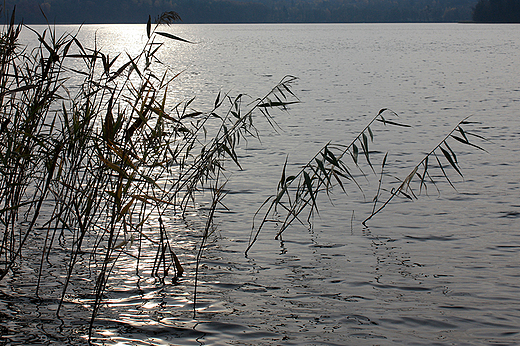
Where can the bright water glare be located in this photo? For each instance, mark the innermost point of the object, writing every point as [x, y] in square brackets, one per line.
[442, 270]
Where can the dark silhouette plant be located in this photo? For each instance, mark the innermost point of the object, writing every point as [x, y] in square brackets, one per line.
[296, 198]
[92, 165]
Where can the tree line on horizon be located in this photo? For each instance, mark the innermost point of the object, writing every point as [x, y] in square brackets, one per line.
[242, 11]
[497, 11]
[264, 11]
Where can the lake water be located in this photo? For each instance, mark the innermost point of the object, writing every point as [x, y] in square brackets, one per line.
[442, 270]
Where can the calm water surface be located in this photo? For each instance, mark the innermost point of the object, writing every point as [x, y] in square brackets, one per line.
[442, 270]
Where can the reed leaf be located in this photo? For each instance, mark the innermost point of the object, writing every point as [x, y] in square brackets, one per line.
[452, 160]
[149, 27]
[355, 153]
[172, 37]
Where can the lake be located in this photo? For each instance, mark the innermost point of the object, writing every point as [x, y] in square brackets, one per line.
[443, 269]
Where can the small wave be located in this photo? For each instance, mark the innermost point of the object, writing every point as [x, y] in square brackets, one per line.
[432, 237]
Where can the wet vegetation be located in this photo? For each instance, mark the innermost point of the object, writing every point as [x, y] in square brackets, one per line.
[86, 169]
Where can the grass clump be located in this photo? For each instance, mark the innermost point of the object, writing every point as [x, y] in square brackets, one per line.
[95, 163]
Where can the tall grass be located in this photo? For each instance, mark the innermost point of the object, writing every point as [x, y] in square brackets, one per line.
[92, 165]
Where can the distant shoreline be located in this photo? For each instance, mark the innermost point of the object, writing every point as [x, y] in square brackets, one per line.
[234, 23]
[65, 12]
[242, 11]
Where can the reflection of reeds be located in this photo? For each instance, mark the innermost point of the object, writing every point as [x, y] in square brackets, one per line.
[95, 165]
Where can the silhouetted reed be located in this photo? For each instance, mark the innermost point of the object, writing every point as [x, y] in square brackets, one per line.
[92, 165]
[332, 167]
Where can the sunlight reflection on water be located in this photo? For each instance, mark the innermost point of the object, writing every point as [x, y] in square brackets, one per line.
[443, 269]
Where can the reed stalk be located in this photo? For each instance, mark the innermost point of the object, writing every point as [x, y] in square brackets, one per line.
[331, 168]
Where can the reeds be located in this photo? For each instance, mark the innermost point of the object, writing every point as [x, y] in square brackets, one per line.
[333, 167]
[93, 165]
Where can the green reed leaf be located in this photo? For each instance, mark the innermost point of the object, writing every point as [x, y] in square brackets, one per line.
[425, 171]
[462, 140]
[134, 65]
[217, 101]
[308, 184]
[322, 168]
[271, 104]
[355, 153]
[443, 171]
[462, 132]
[337, 175]
[380, 183]
[382, 110]
[322, 176]
[365, 142]
[465, 141]
[280, 194]
[15, 90]
[386, 121]
[191, 115]
[231, 154]
[475, 135]
[331, 158]
[119, 71]
[451, 151]
[283, 182]
[364, 145]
